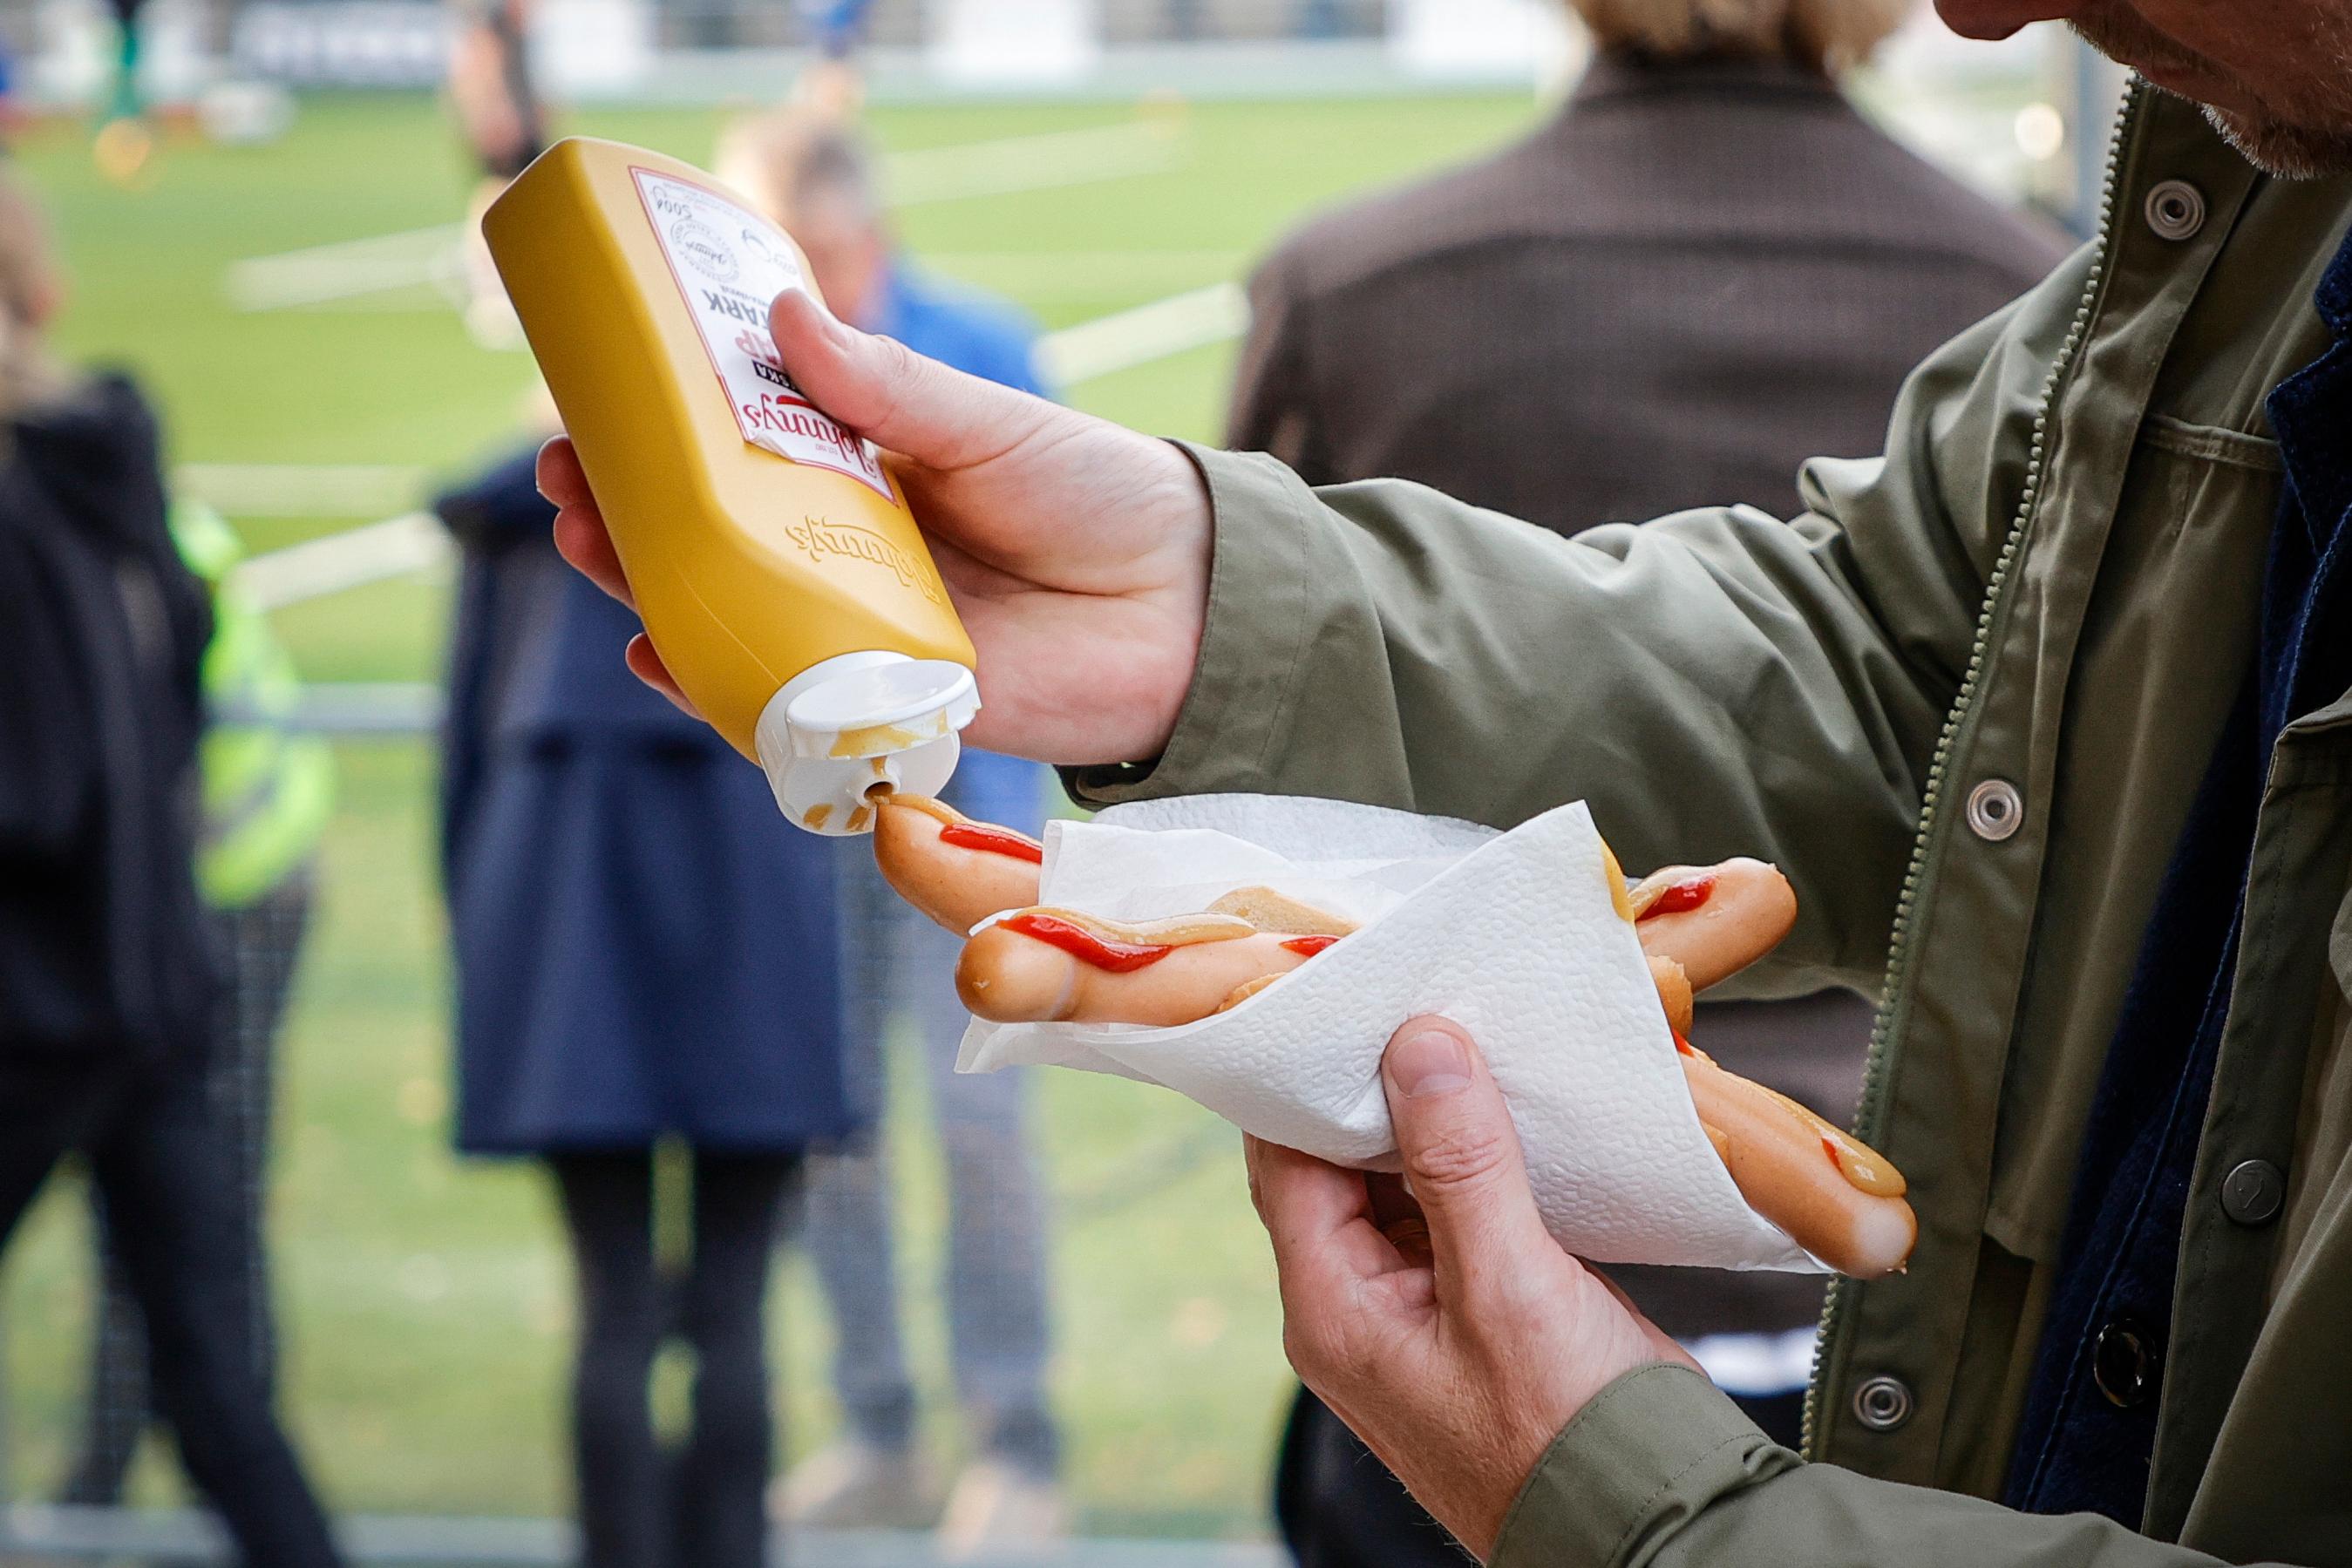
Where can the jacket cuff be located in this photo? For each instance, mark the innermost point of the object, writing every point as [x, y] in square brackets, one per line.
[1643, 1457]
[1245, 679]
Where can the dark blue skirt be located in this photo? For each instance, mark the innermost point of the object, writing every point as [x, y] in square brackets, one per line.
[643, 947]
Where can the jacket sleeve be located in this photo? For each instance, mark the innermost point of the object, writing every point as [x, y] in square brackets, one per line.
[1717, 682]
[1661, 1471]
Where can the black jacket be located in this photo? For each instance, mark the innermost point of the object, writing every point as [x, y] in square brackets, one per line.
[104, 945]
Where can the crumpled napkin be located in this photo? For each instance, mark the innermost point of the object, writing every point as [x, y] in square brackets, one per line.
[1515, 935]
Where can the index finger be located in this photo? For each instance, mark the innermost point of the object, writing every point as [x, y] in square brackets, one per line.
[581, 537]
[1318, 1218]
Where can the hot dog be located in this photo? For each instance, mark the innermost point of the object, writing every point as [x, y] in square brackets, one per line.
[1837, 1198]
[955, 869]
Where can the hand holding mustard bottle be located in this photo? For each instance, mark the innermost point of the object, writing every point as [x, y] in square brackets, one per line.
[1075, 550]
[734, 434]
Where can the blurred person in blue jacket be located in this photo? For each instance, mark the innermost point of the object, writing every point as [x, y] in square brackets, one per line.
[647, 957]
[816, 178]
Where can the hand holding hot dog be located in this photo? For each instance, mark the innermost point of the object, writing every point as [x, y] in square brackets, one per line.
[1449, 1331]
[1076, 551]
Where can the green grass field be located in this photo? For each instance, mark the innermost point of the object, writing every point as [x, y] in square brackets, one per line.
[425, 1299]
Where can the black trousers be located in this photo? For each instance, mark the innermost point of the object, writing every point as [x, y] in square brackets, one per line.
[703, 1507]
[265, 940]
[175, 1223]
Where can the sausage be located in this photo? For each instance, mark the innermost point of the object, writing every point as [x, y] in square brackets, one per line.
[1033, 968]
[1836, 1196]
[1714, 920]
[957, 885]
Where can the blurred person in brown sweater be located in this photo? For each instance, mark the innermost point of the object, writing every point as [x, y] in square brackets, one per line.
[1706, 267]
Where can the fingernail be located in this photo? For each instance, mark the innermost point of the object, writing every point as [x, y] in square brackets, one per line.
[1432, 1063]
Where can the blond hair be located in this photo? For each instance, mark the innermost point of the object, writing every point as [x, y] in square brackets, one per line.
[789, 158]
[1829, 36]
[28, 284]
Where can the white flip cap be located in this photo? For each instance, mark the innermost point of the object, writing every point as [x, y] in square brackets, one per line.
[857, 722]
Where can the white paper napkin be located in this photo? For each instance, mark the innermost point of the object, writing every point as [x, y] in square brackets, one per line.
[1514, 936]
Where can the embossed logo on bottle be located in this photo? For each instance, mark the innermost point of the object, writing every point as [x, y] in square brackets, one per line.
[822, 537]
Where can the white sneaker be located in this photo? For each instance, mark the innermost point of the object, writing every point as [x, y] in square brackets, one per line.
[852, 1484]
[994, 1506]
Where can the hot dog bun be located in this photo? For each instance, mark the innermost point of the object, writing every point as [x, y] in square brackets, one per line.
[956, 885]
[1674, 992]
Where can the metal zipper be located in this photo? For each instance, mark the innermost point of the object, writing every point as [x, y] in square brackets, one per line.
[1899, 949]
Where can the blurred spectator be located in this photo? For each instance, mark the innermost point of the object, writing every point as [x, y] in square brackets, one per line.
[490, 88]
[497, 106]
[818, 181]
[108, 999]
[645, 953]
[1708, 251]
[833, 85]
[1706, 268]
[266, 792]
[122, 97]
[647, 957]
[123, 142]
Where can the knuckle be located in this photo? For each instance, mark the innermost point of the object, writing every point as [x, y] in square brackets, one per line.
[1460, 1158]
[898, 375]
[900, 365]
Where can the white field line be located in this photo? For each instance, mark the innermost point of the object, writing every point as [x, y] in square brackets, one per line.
[322, 273]
[1126, 338]
[414, 540]
[301, 490]
[1034, 162]
[348, 270]
[315, 568]
[1078, 275]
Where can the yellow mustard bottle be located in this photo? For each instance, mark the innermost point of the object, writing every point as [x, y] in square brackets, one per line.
[774, 562]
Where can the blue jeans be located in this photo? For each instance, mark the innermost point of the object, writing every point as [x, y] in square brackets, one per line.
[902, 965]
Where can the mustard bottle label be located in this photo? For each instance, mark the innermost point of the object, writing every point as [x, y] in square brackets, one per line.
[729, 264]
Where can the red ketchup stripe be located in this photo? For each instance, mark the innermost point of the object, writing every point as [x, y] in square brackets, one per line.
[1680, 896]
[1307, 946]
[1680, 1043]
[1118, 957]
[995, 840]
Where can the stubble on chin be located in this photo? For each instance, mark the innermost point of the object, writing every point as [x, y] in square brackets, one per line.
[2289, 151]
[2317, 143]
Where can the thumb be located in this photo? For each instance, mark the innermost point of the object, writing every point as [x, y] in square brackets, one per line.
[1462, 1157]
[917, 407]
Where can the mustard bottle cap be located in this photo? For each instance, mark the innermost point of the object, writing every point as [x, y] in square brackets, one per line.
[857, 726]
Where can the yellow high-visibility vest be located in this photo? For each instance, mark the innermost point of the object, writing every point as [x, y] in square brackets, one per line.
[268, 789]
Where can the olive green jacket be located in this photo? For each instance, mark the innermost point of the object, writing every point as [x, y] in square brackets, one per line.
[1967, 697]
